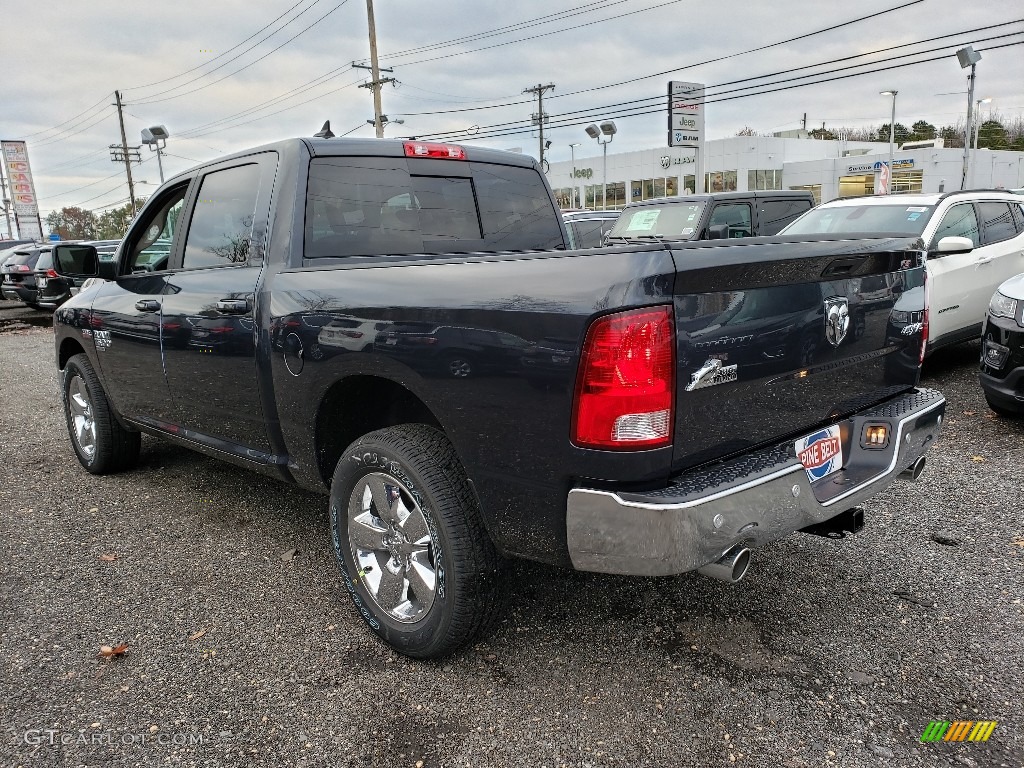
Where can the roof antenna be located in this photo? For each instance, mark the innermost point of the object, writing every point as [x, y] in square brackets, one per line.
[325, 132]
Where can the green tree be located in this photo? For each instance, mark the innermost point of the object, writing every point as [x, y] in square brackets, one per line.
[822, 133]
[952, 136]
[72, 223]
[992, 135]
[902, 134]
[922, 131]
[112, 224]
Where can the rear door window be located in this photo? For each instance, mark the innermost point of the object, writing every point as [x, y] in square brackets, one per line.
[734, 216]
[997, 221]
[773, 215]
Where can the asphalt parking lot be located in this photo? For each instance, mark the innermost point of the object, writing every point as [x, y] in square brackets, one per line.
[242, 649]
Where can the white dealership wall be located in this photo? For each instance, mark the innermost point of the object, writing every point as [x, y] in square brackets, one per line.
[804, 162]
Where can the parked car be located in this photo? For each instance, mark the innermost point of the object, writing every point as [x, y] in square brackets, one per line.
[974, 239]
[631, 458]
[19, 274]
[1002, 349]
[714, 216]
[586, 229]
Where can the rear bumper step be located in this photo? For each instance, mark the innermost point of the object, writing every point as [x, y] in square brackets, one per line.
[746, 502]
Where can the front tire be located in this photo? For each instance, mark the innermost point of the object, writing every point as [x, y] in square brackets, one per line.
[100, 442]
[411, 544]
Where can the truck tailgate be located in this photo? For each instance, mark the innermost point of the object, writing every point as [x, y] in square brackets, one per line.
[777, 340]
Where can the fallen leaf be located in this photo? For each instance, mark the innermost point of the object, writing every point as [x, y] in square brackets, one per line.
[1019, 543]
[287, 555]
[970, 413]
[110, 652]
[109, 558]
[978, 459]
[197, 635]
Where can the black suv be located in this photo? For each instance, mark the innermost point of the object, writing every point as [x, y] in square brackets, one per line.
[18, 274]
[1002, 349]
[713, 216]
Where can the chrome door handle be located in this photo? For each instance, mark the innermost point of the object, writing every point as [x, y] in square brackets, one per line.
[984, 259]
[147, 305]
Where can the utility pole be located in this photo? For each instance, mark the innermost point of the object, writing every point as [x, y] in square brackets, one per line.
[805, 121]
[375, 70]
[125, 153]
[5, 202]
[540, 117]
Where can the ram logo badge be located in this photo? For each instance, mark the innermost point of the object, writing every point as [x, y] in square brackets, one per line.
[837, 319]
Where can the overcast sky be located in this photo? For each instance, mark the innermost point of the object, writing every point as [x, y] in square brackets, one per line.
[176, 65]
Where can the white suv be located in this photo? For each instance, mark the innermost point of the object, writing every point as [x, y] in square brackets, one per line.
[974, 238]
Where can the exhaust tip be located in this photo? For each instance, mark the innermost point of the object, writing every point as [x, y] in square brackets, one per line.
[731, 567]
[913, 472]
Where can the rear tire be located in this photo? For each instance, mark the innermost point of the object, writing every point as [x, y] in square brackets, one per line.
[102, 445]
[410, 541]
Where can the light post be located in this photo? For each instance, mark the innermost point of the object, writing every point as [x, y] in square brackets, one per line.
[385, 121]
[977, 125]
[156, 137]
[892, 136]
[572, 150]
[968, 57]
[607, 130]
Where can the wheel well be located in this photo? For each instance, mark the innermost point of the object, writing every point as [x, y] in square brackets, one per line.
[361, 404]
[68, 349]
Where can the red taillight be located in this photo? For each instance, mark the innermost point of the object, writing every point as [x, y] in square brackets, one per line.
[626, 382]
[52, 273]
[924, 320]
[430, 149]
[21, 268]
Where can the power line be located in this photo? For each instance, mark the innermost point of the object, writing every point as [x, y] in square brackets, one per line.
[149, 100]
[219, 56]
[101, 102]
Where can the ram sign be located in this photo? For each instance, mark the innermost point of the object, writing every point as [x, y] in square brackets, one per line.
[685, 114]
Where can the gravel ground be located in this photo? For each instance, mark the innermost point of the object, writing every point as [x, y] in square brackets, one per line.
[830, 653]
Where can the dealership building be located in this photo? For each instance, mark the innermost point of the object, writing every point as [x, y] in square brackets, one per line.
[828, 169]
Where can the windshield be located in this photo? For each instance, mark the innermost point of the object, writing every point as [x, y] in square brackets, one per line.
[672, 220]
[856, 219]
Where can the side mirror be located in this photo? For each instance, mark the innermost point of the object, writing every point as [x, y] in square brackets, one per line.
[76, 260]
[718, 232]
[953, 244]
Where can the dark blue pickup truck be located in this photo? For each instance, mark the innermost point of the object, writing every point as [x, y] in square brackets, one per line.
[401, 326]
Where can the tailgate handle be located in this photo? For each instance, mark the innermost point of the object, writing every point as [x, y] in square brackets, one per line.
[233, 306]
[844, 266]
[147, 305]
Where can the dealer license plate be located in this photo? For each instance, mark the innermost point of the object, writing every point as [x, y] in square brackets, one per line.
[821, 453]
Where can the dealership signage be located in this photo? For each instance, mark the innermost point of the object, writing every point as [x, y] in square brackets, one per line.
[897, 165]
[685, 114]
[22, 189]
[667, 161]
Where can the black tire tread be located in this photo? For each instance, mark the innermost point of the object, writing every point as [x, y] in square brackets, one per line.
[480, 601]
[117, 449]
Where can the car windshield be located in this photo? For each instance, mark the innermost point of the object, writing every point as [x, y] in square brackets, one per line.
[854, 219]
[673, 220]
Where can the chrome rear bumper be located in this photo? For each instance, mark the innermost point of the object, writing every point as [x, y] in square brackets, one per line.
[748, 501]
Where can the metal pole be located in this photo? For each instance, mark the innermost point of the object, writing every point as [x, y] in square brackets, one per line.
[7, 203]
[572, 203]
[159, 164]
[127, 159]
[967, 132]
[378, 126]
[892, 141]
[604, 177]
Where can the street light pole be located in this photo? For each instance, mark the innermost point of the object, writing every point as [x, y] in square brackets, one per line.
[977, 125]
[607, 131]
[892, 137]
[968, 57]
[575, 197]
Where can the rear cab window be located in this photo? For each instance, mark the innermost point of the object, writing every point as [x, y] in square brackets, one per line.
[369, 206]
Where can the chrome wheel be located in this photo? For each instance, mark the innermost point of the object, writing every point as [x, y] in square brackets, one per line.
[84, 426]
[391, 547]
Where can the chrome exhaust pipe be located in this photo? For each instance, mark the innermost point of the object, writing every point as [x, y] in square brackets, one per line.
[913, 472]
[731, 567]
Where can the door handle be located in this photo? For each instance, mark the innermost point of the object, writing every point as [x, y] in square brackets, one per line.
[147, 305]
[233, 306]
[984, 259]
